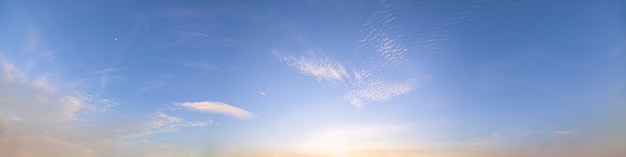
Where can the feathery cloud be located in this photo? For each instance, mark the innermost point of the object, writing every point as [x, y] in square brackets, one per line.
[377, 91]
[322, 68]
[217, 107]
[366, 84]
[163, 123]
[37, 119]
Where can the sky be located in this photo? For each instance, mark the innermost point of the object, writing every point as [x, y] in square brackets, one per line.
[122, 78]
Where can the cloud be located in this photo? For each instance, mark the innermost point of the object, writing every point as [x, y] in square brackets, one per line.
[367, 84]
[27, 97]
[378, 91]
[217, 107]
[9, 72]
[38, 119]
[392, 59]
[322, 68]
[107, 76]
[164, 123]
[153, 85]
[34, 44]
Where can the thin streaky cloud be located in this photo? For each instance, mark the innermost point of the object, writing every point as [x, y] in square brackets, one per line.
[164, 123]
[39, 95]
[154, 85]
[322, 68]
[217, 107]
[9, 72]
[39, 118]
[107, 76]
[366, 85]
[377, 91]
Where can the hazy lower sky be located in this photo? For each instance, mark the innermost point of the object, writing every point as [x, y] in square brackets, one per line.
[471, 78]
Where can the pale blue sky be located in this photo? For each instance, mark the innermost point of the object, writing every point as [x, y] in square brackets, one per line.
[312, 78]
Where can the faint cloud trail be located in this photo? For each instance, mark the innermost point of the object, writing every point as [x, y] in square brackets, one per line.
[217, 107]
[322, 68]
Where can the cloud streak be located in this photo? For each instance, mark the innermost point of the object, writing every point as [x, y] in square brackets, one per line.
[164, 123]
[365, 84]
[322, 68]
[395, 54]
[217, 107]
[37, 119]
[377, 91]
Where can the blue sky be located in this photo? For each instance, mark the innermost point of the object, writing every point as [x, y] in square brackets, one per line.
[312, 78]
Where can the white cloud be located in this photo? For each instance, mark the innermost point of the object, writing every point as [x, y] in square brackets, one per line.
[217, 107]
[163, 123]
[39, 119]
[70, 105]
[387, 64]
[377, 91]
[9, 72]
[369, 83]
[392, 52]
[29, 96]
[322, 68]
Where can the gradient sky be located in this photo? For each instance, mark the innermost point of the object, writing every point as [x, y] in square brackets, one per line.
[312, 78]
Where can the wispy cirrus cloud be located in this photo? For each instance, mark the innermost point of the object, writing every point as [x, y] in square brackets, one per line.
[107, 76]
[377, 91]
[365, 84]
[164, 123]
[217, 107]
[322, 68]
[393, 58]
[38, 118]
[26, 96]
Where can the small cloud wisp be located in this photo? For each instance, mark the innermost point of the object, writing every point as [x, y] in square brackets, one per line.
[217, 107]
